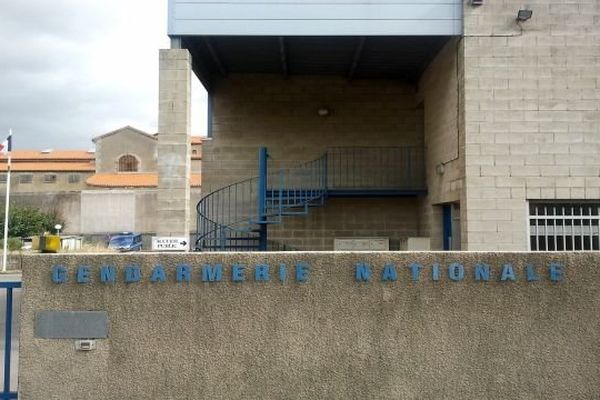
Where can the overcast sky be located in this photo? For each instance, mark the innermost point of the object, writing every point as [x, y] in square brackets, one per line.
[74, 69]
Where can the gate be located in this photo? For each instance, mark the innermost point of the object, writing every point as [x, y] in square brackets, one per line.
[7, 290]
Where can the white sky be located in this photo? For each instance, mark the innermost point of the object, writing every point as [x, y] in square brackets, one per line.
[74, 69]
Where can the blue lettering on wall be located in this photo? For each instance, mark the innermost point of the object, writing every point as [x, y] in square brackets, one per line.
[508, 273]
[415, 271]
[531, 274]
[238, 273]
[183, 273]
[282, 272]
[158, 274]
[83, 274]
[212, 273]
[261, 273]
[435, 272]
[389, 273]
[456, 271]
[59, 274]
[108, 274]
[302, 272]
[133, 273]
[482, 272]
[363, 272]
[556, 272]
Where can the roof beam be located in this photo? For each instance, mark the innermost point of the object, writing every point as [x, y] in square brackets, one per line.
[198, 66]
[358, 50]
[283, 56]
[215, 56]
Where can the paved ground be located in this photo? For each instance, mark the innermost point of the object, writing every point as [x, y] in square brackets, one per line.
[15, 331]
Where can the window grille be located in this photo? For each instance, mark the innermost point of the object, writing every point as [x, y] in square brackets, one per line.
[3, 178]
[564, 226]
[74, 178]
[28, 178]
[128, 163]
[49, 178]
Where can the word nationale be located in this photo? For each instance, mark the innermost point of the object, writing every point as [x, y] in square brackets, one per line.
[300, 272]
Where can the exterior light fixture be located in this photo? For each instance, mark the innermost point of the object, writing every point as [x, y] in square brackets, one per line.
[524, 15]
[476, 2]
[440, 169]
[323, 112]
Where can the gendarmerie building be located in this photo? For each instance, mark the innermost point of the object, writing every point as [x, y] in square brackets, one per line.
[349, 125]
[465, 125]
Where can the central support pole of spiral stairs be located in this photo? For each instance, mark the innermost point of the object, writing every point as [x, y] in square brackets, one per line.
[262, 198]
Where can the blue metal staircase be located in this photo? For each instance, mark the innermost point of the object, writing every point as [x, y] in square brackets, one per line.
[236, 217]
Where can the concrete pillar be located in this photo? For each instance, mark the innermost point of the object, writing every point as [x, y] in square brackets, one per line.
[174, 143]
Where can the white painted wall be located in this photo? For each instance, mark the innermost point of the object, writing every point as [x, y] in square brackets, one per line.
[315, 18]
[107, 211]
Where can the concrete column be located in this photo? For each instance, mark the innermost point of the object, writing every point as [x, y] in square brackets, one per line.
[174, 143]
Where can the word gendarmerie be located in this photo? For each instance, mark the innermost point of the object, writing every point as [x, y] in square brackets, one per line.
[300, 272]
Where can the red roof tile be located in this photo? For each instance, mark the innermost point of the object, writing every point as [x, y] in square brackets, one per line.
[148, 180]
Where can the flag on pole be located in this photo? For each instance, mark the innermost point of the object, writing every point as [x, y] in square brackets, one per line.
[6, 146]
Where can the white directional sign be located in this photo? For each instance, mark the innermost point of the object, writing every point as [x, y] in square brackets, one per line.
[170, 243]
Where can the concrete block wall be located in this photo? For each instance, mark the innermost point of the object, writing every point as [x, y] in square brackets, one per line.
[438, 94]
[251, 111]
[532, 114]
[174, 143]
[393, 218]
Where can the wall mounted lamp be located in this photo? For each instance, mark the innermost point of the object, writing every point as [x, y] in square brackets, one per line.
[524, 15]
[476, 2]
[323, 112]
[440, 169]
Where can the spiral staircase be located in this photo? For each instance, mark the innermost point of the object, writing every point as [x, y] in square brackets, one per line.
[236, 217]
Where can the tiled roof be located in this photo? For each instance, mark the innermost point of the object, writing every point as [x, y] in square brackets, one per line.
[148, 180]
[49, 166]
[18, 155]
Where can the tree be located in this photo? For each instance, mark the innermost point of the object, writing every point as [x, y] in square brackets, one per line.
[29, 221]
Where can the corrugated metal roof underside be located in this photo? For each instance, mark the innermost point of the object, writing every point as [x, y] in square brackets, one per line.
[390, 57]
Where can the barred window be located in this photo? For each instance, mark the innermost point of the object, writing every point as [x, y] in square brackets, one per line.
[49, 178]
[128, 163]
[564, 226]
[74, 178]
[27, 178]
[3, 178]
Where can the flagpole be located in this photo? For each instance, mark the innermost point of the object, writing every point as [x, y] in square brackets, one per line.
[5, 253]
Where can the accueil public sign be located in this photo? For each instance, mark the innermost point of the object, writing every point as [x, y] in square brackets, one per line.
[301, 272]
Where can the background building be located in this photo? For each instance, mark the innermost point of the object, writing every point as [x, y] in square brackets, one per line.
[109, 189]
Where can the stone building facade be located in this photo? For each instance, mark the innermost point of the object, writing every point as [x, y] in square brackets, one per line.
[109, 189]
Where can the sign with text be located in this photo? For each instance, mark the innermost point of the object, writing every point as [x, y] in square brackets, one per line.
[169, 243]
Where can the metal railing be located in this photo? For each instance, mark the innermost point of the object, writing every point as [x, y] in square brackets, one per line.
[225, 217]
[235, 217]
[375, 169]
[7, 290]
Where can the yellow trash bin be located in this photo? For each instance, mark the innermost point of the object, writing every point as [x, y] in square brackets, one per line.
[49, 244]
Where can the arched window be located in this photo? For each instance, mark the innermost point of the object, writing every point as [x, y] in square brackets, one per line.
[128, 163]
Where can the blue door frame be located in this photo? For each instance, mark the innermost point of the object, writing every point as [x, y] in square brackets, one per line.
[8, 324]
[447, 227]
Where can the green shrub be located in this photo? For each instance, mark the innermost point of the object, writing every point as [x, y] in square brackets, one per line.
[28, 221]
[13, 244]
